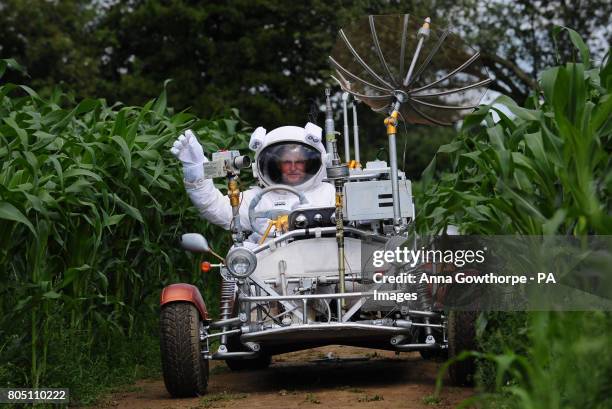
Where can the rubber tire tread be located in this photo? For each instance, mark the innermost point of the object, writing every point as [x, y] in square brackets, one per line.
[185, 370]
[462, 337]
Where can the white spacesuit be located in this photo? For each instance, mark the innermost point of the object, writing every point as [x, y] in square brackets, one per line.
[289, 155]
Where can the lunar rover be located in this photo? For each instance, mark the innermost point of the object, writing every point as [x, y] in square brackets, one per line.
[311, 282]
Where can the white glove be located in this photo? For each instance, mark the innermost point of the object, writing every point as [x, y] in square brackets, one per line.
[188, 150]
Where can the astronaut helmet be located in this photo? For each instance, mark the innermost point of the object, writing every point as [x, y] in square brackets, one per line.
[289, 155]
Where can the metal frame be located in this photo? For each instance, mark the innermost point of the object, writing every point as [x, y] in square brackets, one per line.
[386, 333]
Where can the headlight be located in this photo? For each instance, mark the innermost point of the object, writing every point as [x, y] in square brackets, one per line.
[241, 262]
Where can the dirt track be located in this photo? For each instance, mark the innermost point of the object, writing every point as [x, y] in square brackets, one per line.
[353, 378]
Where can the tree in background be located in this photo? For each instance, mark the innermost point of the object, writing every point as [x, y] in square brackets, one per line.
[268, 59]
[54, 40]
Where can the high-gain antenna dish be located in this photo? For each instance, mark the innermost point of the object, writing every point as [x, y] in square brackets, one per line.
[399, 65]
[436, 76]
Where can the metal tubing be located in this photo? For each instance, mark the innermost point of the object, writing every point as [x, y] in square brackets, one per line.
[347, 145]
[416, 347]
[427, 325]
[350, 74]
[450, 74]
[414, 59]
[416, 313]
[226, 323]
[422, 34]
[334, 327]
[429, 118]
[253, 346]
[387, 322]
[306, 232]
[403, 46]
[379, 50]
[224, 333]
[452, 91]
[341, 269]
[361, 61]
[282, 270]
[432, 51]
[329, 123]
[394, 182]
[308, 296]
[356, 135]
[226, 355]
[288, 306]
[429, 104]
[320, 279]
[398, 339]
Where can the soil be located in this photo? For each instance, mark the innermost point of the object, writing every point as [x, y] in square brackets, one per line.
[328, 377]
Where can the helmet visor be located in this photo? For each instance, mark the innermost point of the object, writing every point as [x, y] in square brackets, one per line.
[288, 163]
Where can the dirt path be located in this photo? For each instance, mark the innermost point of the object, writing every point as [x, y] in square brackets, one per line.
[354, 378]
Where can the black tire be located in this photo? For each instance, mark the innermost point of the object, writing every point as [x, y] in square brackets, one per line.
[261, 362]
[462, 337]
[185, 369]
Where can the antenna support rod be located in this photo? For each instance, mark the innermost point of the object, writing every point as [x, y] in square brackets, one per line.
[421, 35]
[356, 136]
[347, 144]
[330, 131]
[391, 124]
[338, 173]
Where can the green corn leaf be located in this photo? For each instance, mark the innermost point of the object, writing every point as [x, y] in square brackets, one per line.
[52, 295]
[112, 220]
[523, 113]
[73, 172]
[10, 212]
[450, 148]
[161, 102]
[128, 209]
[21, 133]
[124, 151]
[579, 43]
[78, 186]
[12, 64]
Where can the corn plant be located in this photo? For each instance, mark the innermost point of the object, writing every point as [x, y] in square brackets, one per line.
[545, 169]
[92, 205]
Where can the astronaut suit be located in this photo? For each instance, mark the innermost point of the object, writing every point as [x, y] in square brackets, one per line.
[289, 155]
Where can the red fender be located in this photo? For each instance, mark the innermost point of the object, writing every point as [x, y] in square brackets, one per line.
[184, 292]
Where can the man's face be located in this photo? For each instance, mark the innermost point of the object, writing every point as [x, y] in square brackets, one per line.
[293, 167]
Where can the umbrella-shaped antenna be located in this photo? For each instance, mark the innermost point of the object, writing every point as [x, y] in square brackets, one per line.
[438, 77]
[399, 65]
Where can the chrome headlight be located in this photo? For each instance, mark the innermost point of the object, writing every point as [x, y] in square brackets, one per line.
[241, 262]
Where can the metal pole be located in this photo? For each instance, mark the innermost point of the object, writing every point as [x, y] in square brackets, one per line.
[233, 192]
[394, 182]
[337, 172]
[390, 123]
[422, 34]
[356, 135]
[418, 51]
[330, 132]
[347, 146]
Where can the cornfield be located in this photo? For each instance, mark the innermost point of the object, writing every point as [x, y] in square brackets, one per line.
[92, 206]
[544, 170]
